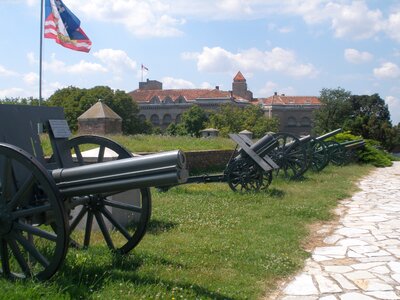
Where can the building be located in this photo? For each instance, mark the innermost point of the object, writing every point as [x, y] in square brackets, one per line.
[295, 113]
[163, 107]
[99, 119]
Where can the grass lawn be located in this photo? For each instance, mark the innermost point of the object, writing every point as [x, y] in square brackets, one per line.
[204, 242]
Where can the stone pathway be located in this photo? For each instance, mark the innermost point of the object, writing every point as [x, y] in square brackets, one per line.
[361, 257]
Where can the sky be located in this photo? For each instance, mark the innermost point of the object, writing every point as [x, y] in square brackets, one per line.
[293, 47]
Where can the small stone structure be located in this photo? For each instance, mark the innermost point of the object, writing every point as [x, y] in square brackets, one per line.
[99, 119]
[247, 133]
[209, 132]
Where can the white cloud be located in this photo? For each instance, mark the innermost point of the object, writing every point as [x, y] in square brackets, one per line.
[116, 60]
[357, 57]
[148, 18]
[393, 26]
[32, 2]
[280, 60]
[175, 83]
[394, 108]
[31, 78]
[83, 67]
[13, 93]
[6, 73]
[387, 70]
[270, 88]
[31, 58]
[142, 18]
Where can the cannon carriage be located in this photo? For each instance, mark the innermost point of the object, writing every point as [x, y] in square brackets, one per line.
[48, 205]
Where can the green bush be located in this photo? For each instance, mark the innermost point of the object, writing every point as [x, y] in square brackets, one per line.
[372, 153]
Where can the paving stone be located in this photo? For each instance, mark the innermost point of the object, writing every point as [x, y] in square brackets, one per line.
[302, 285]
[355, 296]
[326, 285]
[362, 259]
[383, 295]
[343, 282]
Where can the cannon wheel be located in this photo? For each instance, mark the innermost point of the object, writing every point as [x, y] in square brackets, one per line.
[122, 238]
[337, 153]
[243, 175]
[290, 155]
[29, 201]
[319, 156]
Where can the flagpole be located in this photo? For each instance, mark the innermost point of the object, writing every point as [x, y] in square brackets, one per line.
[41, 52]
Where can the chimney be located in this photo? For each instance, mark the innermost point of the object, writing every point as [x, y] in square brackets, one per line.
[217, 87]
[276, 94]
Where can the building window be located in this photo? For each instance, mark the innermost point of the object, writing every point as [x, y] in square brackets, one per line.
[168, 100]
[305, 122]
[291, 122]
[155, 100]
[155, 120]
[167, 119]
[178, 118]
[180, 99]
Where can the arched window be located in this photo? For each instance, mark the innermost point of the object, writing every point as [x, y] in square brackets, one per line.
[178, 118]
[155, 120]
[167, 119]
[142, 118]
[291, 122]
[180, 99]
[155, 100]
[168, 100]
[305, 122]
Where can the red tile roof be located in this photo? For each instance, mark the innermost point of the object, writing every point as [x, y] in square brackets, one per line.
[288, 100]
[239, 77]
[188, 94]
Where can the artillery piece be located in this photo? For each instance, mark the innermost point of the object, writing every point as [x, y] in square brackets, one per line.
[43, 202]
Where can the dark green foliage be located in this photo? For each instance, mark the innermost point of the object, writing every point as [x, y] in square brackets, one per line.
[24, 101]
[76, 101]
[231, 119]
[364, 115]
[372, 153]
[193, 121]
[335, 111]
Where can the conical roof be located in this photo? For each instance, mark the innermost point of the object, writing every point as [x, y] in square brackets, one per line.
[239, 77]
[99, 111]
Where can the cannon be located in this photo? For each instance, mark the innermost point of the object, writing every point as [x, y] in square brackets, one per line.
[249, 169]
[42, 201]
[319, 156]
[342, 153]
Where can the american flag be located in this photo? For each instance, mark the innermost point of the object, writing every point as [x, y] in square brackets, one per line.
[144, 68]
[64, 27]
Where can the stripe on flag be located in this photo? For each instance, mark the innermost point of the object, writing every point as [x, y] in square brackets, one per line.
[64, 27]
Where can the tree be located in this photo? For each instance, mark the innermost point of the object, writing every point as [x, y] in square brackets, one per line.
[76, 101]
[371, 119]
[193, 120]
[335, 110]
[232, 119]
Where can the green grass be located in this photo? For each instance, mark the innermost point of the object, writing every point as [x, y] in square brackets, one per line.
[205, 242]
[157, 143]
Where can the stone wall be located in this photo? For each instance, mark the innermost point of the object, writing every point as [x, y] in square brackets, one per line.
[210, 159]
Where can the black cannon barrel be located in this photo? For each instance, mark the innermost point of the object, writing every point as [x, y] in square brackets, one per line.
[262, 146]
[352, 142]
[358, 144]
[305, 139]
[160, 169]
[329, 134]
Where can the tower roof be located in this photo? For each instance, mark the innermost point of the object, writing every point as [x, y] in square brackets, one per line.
[99, 111]
[239, 77]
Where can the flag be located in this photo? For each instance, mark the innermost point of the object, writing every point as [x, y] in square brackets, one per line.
[144, 68]
[64, 27]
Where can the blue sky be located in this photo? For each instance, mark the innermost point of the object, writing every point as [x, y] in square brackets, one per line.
[294, 47]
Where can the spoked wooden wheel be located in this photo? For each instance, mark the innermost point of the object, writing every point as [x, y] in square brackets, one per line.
[29, 202]
[243, 175]
[319, 156]
[266, 181]
[337, 153]
[121, 218]
[290, 155]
